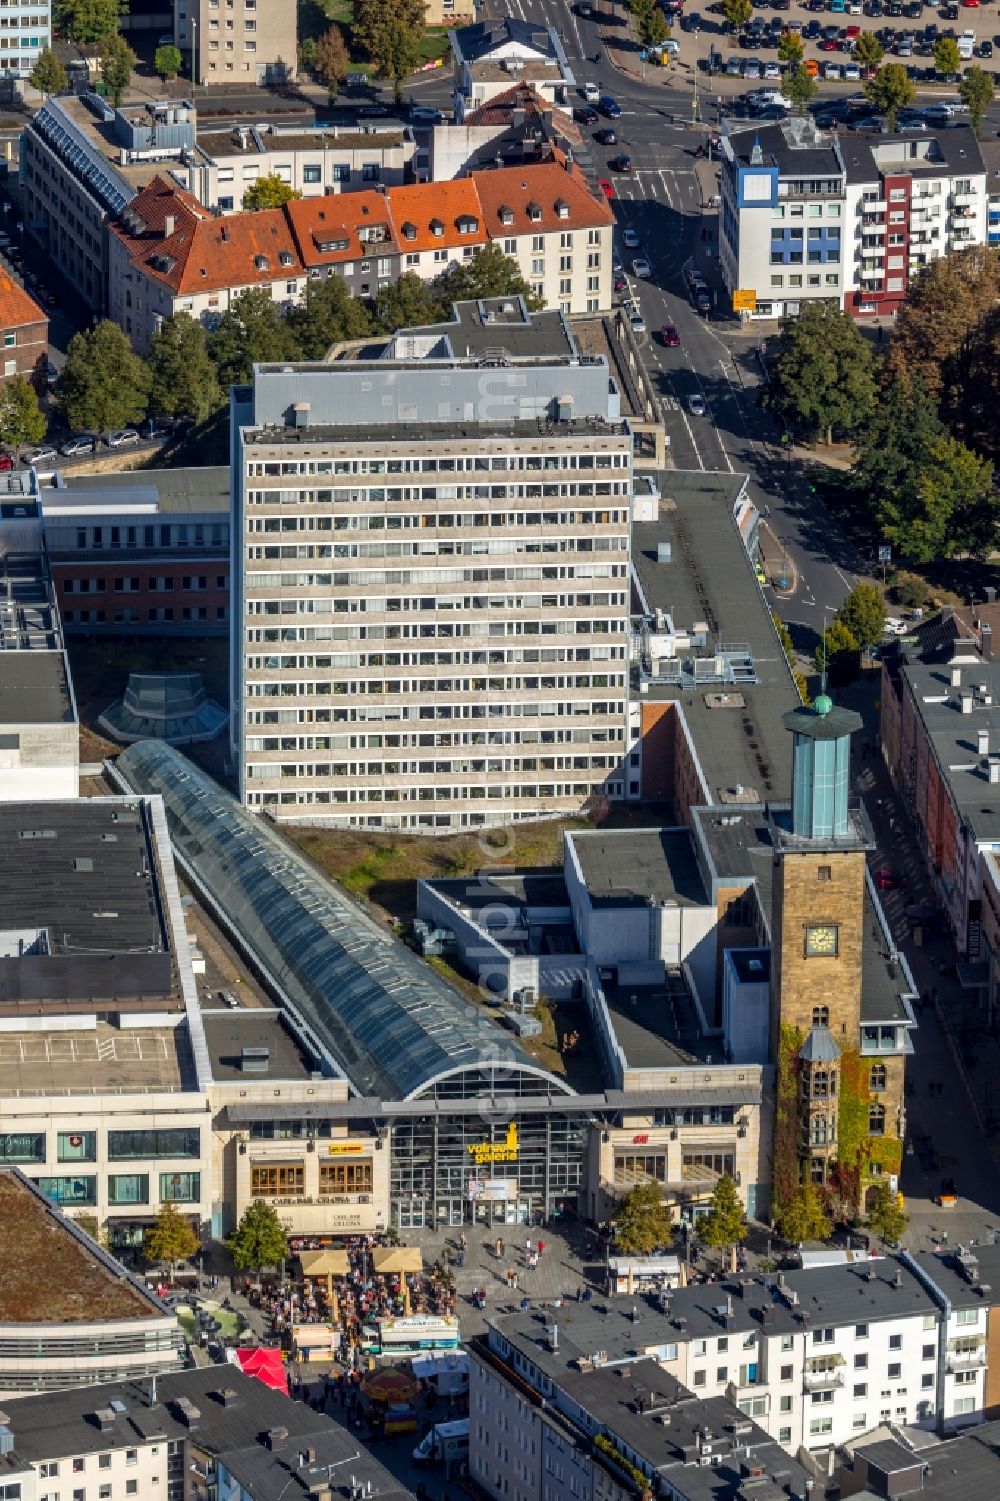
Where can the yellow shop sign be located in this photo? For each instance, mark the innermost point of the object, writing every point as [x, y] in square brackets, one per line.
[338, 1148]
[496, 1151]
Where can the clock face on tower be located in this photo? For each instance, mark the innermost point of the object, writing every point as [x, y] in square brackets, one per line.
[821, 940]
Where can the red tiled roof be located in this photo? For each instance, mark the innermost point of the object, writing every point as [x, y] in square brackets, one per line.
[539, 199]
[426, 216]
[204, 253]
[336, 223]
[499, 111]
[16, 308]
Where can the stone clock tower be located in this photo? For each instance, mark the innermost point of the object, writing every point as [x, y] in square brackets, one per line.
[818, 914]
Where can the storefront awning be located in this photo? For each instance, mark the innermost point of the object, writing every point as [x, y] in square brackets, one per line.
[398, 1259]
[325, 1263]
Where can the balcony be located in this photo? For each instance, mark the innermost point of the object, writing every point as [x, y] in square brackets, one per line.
[963, 200]
[823, 1381]
[965, 1360]
[872, 206]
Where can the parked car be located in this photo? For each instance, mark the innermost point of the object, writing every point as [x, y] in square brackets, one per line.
[607, 187]
[895, 626]
[82, 443]
[631, 238]
[46, 454]
[641, 268]
[637, 322]
[606, 137]
[228, 999]
[123, 438]
[6, 462]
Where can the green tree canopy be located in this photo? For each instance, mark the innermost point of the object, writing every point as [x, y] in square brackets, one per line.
[171, 1239]
[182, 379]
[642, 1220]
[951, 507]
[976, 90]
[737, 13]
[168, 61]
[947, 58]
[936, 329]
[87, 21]
[327, 315]
[48, 75]
[725, 1223]
[791, 48]
[268, 192]
[891, 90]
[104, 384]
[822, 372]
[868, 50]
[886, 1216]
[656, 29]
[391, 31]
[21, 420]
[330, 61]
[799, 88]
[117, 62]
[406, 303]
[490, 273]
[896, 434]
[838, 653]
[251, 330]
[863, 612]
[260, 1239]
[803, 1217]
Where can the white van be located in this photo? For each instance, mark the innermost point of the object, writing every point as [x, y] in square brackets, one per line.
[967, 45]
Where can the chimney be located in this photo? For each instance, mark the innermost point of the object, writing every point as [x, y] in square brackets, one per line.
[276, 1438]
[986, 642]
[956, 677]
[965, 700]
[983, 742]
[169, 225]
[995, 770]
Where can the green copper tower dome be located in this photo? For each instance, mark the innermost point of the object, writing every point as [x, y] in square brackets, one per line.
[821, 768]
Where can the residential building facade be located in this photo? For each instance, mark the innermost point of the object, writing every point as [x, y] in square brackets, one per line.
[26, 33]
[24, 332]
[250, 41]
[490, 56]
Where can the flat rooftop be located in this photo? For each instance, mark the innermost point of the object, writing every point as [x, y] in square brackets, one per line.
[627, 867]
[52, 1273]
[735, 726]
[101, 136]
[251, 141]
[436, 432]
[29, 617]
[493, 324]
[953, 736]
[231, 1030]
[34, 688]
[176, 490]
[103, 1059]
[655, 1025]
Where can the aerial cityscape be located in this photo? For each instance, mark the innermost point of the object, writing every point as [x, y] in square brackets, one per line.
[499, 750]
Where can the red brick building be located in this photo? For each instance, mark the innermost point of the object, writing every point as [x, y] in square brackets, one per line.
[24, 329]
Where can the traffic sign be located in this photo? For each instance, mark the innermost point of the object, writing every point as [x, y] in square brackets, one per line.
[745, 301]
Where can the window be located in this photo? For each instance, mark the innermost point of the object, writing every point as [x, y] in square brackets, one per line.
[786, 1372]
[79, 1463]
[823, 1336]
[927, 1381]
[180, 1188]
[861, 1331]
[927, 1353]
[77, 1146]
[283, 1179]
[964, 1404]
[821, 1016]
[824, 873]
[785, 1436]
[128, 1188]
[861, 1389]
[104, 1461]
[818, 1426]
[895, 1371]
[861, 1362]
[699, 1378]
[784, 1404]
[131, 1456]
[965, 1378]
[876, 1119]
[22, 1147]
[345, 1177]
[131, 1487]
[177, 1143]
[877, 1077]
[75, 1190]
[967, 1316]
[895, 1341]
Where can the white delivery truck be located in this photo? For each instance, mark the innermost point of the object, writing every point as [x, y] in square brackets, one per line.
[445, 1443]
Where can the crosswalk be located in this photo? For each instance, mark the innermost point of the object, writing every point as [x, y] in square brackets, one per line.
[676, 187]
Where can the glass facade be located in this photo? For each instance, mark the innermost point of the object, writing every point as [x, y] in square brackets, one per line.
[180, 1188]
[178, 1143]
[75, 1190]
[128, 1188]
[77, 1146]
[22, 1146]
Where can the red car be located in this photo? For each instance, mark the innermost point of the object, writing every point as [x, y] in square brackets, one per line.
[828, 45]
[606, 186]
[669, 337]
[971, 4]
[886, 879]
[6, 462]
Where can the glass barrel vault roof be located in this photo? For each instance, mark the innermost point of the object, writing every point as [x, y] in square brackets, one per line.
[388, 1021]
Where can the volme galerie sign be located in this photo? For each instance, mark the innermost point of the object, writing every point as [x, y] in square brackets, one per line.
[499, 1151]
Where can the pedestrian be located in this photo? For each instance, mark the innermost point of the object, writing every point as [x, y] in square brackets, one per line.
[461, 1255]
[503, 1250]
[498, 1247]
[541, 1247]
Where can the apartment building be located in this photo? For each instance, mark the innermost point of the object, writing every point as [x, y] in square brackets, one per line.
[190, 1436]
[24, 330]
[70, 1315]
[25, 31]
[845, 218]
[490, 56]
[517, 126]
[487, 449]
[238, 41]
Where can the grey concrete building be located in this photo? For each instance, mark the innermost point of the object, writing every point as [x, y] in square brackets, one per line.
[404, 681]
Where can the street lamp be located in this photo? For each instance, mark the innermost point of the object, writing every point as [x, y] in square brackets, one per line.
[194, 54]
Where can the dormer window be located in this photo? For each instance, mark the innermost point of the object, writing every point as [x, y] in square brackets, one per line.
[534, 212]
[262, 263]
[409, 231]
[562, 208]
[437, 228]
[286, 258]
[507, 213]
[467, 225]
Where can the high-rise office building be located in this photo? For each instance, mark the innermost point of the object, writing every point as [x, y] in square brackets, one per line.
[432, 580]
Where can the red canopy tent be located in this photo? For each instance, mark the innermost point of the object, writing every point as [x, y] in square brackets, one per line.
[266, 1364]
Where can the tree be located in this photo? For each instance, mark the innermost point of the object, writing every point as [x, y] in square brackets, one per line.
[21, 421]
[171, 1239]
[737, 13]
[821, 370]
[656, 30]
[950, 506]
[405, 303]
[88, 21]
[885, 1214]
[391, 32]
[863, 612]
[168, 61]
[250, 331]
[803, 1217]
[976, 90]
[868, 51]
[798, 88]
[260, 1239]
[117, 62]
[893, 442]
[330, 60]
[891, 90]
[725, 1222]
[935, 334]
[328, 315]
[90, 1225]
[182, 379]
[838, 653]
[103, 384]
[48, 75]
[947, 58]
[489, 273]
[642, 1220]
[791, 48]
[268, 192]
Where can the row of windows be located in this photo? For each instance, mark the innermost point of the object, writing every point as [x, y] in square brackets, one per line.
[275, 525]
[128, 1188]
[135, 617]
[133, 584]
[493, 464]
[493, 792]
[496, 656]
[311, 797]
[163, 535]
[82, 1146]
[287, 1180]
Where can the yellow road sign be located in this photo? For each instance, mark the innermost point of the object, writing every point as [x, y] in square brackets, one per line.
[745, 301]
